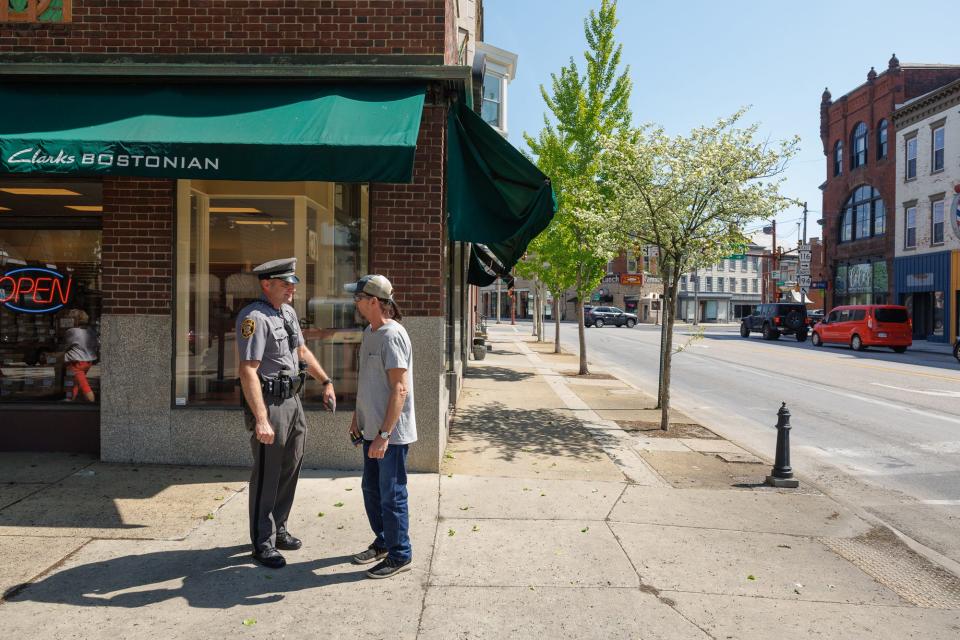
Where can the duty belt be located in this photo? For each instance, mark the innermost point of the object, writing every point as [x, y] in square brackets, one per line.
[284, 386]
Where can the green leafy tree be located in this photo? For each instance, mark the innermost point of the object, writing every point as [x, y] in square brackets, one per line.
[548, 260]
[583, 108]
[692, 196]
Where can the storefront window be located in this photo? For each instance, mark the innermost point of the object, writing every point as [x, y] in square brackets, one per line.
[50, 303]
[224, 229]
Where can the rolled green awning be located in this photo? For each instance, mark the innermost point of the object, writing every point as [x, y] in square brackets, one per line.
[495, 195]
[343, 133]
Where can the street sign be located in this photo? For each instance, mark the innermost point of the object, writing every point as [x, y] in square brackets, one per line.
[803, 281]
[818, 284]
[736, 256]
[803, 292]
[775, 275]
[805, 257]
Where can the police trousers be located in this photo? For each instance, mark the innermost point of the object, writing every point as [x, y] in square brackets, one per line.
[276, 469]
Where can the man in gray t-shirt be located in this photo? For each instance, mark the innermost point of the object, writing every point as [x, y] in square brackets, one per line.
[385, 420]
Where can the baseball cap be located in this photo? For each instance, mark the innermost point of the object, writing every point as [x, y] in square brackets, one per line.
[372, 285]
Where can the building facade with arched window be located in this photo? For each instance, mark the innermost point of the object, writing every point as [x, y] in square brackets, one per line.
[859, 195]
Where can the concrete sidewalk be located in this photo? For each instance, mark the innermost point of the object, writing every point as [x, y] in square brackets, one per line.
[561, 511]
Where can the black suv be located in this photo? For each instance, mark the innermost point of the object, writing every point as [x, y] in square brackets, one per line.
[600, 316]
[777, 319]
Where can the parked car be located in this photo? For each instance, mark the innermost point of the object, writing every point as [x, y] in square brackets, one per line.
[956, 349]
[815, 315]
[777, 319]
[862, 326]
[600, 316]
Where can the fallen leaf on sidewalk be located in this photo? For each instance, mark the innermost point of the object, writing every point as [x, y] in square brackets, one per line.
[451, 532]
[585, 529]
[475, 528]
[751, 577]
[464, 508]
[320, 515]
[349, 489]
[338, 504]
[340, 527]
[249, 622]
[218, 497]
[209, 516]
[542, 495]
[448, 456]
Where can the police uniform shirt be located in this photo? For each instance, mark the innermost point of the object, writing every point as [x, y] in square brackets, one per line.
[261, 335]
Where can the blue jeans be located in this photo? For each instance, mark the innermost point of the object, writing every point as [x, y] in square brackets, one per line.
[385, 499]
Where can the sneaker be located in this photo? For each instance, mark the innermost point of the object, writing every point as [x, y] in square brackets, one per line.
[370, 554]
[388, 568]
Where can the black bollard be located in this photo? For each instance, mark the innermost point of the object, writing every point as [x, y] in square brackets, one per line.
[782, 474]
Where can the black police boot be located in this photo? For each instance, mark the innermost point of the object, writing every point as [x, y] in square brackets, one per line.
[270, 558]
[287, 542]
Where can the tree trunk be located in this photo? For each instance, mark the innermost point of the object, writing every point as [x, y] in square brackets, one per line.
[556, 321]
[669, 316]
[663, 338]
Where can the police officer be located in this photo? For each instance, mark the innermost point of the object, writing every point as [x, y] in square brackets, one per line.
[274, 362]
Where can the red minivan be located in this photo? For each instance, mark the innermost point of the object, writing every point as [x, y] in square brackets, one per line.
[866, 325]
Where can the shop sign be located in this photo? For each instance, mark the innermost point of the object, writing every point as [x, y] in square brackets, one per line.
[62, 160]
[611, 278]
[35, 290]
[631, 278]
[920, 280]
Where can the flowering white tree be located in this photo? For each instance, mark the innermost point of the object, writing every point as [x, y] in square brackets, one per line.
[691, 197]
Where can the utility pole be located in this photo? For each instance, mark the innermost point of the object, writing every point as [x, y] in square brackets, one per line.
[804, 223]
[774, 261]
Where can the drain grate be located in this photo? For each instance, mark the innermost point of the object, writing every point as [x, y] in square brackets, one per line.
[883, 556]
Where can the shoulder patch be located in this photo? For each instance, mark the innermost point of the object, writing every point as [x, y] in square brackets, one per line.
[247, 327]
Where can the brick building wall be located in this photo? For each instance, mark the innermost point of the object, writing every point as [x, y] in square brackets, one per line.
[407, 235]
[137, 256]
[870, 103]
[239, 27]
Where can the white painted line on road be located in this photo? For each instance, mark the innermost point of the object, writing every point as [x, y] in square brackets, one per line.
[851, 396]
[927, 392]
[942, 503]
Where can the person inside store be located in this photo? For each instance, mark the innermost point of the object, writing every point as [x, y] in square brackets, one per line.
[82, 347]
[385, 422]
[274, 363]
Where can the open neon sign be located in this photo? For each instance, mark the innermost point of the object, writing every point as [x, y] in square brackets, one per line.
[35, 290]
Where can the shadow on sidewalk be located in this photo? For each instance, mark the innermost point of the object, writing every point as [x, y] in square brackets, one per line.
[514, 432]
[211, 579]
[498, 374]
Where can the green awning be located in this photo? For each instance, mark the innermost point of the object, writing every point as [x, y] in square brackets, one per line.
[349, 132]
[495, 195]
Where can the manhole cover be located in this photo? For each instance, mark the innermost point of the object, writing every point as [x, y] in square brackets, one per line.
[651, 429]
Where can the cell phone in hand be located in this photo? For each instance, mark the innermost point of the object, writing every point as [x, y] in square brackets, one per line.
[331, 405]
[356, 438]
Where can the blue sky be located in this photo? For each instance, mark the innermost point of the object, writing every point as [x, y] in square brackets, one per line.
[696, 60]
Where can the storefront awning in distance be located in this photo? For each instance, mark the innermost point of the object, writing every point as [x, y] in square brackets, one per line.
[496, 196]
[342, 133]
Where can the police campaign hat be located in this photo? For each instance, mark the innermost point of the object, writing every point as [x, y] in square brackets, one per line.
[372, 285]
[281, 269]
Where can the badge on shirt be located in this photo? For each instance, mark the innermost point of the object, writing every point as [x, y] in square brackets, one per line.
[247, 327]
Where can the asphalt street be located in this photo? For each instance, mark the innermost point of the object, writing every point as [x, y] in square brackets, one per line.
[880, 429]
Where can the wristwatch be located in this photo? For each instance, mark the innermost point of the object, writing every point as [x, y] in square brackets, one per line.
[326, 382]
[384, 434]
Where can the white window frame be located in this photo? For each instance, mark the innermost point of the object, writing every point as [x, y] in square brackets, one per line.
[908, 214]
[910, 145]
[934, 207]
[933, 149]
